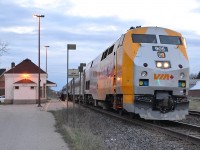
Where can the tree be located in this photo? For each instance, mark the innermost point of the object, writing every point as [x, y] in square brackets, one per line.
[3, 48]
[193, 76]
[198, 76]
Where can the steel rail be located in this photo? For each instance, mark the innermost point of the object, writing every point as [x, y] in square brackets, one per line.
[185, 137]
[189, 126]
[194, 112]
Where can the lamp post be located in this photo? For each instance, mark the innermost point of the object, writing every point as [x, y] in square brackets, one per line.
[69, 47]
[46, 72]
[46, 56]
[39, 16]
[80, 68]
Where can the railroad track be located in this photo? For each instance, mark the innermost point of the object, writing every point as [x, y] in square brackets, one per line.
[194, 112]
[183, 131]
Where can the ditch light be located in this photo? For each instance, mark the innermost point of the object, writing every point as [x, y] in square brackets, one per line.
[144, 82]
[182, 83]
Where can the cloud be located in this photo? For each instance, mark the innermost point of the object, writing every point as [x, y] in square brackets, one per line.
[50, 4]
[19, 30]
[152, 13]
[88, 29]
[92, 25]
[130, 9]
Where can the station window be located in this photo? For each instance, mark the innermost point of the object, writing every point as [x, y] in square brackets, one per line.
[32, 87]
[16, 87]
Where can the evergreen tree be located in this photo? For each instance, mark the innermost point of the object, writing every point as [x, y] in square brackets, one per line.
[198, 76]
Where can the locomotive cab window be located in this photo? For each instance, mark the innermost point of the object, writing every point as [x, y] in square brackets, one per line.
[174, 40]
[144, 38]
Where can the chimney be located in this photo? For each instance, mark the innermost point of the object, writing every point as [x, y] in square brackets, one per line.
[12, 65]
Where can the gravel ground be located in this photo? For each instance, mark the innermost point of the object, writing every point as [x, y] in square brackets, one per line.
[195, 120]
[194, 105]
[120, 135]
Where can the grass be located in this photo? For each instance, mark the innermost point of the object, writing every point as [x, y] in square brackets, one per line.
[76, 128]
[60, 128]
[194, 104]
[79, 127]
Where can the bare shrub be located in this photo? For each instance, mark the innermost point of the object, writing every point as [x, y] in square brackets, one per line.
[3, 48]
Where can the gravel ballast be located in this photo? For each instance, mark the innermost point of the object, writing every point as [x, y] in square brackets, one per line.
[116, 134]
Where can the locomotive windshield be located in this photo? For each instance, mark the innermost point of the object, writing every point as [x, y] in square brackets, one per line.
[144, 38]
[174, 40]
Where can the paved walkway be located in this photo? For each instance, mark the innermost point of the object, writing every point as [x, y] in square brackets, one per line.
[28, 127]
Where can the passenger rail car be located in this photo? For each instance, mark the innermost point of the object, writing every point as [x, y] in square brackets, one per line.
[146, 72]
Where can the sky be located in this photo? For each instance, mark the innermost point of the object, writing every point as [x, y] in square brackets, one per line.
[93, 25]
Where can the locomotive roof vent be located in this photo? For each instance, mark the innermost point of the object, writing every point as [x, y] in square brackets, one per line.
[131, 28]
[138, 26]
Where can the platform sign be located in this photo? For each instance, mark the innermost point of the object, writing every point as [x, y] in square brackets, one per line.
[73, 73]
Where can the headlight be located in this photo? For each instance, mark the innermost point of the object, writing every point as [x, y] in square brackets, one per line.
[182, 75]
[163, 64]
[159, 64]
[144, 74]
[166, 64]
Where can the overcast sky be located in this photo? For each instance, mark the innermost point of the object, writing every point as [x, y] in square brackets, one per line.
[92, 25]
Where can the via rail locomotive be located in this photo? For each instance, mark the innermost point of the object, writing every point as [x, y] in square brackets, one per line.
[145, 72]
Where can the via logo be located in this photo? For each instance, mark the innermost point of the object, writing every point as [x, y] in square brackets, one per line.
[163, 77]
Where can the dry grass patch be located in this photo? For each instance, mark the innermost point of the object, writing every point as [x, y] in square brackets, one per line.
[76, 128]
[194, 104]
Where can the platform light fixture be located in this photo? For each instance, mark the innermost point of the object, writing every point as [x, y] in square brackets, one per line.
[39, 16]
[46, 47]
[69, 47]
